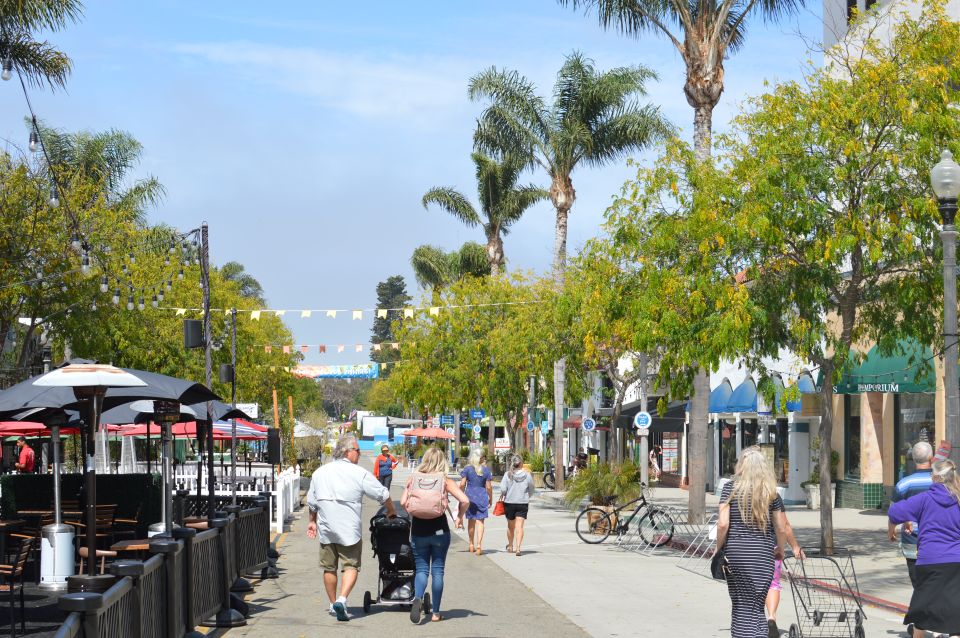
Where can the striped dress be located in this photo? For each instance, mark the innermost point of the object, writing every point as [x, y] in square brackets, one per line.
[750, 552]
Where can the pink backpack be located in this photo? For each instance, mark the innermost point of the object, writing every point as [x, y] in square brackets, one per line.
[426, 495]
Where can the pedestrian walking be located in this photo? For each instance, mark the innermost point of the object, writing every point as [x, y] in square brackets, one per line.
[933, 606]
[425, 498]
[776, 585]
[477, 484]
[335, 498]
[911, 485]
[654, 462]
[384, 465]
[27, 459]
[515, 491]
[750, 524]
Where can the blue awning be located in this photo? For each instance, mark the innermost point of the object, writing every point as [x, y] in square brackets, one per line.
[806, 384]
[744, 398]
[720, 396]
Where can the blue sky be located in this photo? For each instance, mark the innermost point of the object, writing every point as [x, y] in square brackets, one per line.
[306, 133]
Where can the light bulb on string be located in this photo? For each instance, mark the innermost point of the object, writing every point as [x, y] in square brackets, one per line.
[63, 287]
[93, 306]
[7, 69]
[123, 268]
[129, 302]
[154, 302]
[141, 305]
[104, 284]
[160, 295]
[169, 285]
[133, 258]
[74, 242]
[173, 247]
[180, 274]
[85, 263]
[54, 196]
[166, 260]
[116, 296]
[34, 141]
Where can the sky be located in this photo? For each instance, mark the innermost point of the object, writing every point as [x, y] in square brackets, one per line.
[306, 133]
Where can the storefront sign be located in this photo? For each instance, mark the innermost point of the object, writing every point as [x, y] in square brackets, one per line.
[671, 452]
[867, 387]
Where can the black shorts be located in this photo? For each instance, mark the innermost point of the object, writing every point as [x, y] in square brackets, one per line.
[513, 510]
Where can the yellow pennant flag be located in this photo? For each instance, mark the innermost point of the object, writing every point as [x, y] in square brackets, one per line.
[434, 311]
[407, 313]
[181, 311]
[395, 346]
[383, 366]
[305, 314]
[358, 314]
[255, 315]
[381, 314]
[332, 314]
[359, 348]
[279, 313]
[376, 347]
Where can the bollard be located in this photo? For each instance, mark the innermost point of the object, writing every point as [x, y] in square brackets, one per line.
[186, 534]
[240, 584]
[134, 570]
[168, 547]
[179, 506]
[86, 603]
[226, 616]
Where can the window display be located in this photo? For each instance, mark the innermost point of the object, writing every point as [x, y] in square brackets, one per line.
[914, 423]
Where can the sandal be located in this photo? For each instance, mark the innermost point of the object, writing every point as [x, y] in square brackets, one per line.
[509, 549]
[436, 618]
[471, 550]
[518, 552]
[479, 551]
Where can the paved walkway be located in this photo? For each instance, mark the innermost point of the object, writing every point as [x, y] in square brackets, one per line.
[479, 598]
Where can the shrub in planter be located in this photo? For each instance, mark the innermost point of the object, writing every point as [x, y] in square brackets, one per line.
[598, 483]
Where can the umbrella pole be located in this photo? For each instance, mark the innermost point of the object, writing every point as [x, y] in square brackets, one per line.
[55, 440]
[90, 483]
[211, 499]
[149, 424]
[200, 446]
[167, 486]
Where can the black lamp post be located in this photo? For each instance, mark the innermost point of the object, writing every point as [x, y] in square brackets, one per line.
[945, 179]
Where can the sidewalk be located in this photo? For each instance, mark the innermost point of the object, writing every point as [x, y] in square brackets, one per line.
[479, 598]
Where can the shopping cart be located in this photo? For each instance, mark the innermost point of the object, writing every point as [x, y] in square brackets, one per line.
[826, 596]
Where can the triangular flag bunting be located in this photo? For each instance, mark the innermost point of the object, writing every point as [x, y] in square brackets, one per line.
[359, 348]
[381, 314]
[376, 347]
[383, 366]
[395, 346]
[286, 349]
[407, 313]
[255, 315]
[279, 313]
[322, 349]
[268, 349]
[181, 311]
[304, 349]
[305, 314]
[339, 348]
[332, 314]
[358, 314]
[434, 311]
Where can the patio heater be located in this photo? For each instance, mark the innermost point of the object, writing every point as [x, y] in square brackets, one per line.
[166, 413]
[56, 540]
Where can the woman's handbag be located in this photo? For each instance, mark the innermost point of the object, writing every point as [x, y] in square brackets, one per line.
[499, 509]
[720, 565]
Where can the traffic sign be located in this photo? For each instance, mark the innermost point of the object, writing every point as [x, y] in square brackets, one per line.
[449, 430]
[643, 420]
[476, 429]
[477, 413]
[589, 424]
[446, 419]
[643, 431]
[545, 427]
[530, 426]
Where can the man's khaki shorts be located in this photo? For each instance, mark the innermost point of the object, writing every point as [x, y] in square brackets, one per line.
[346, 556]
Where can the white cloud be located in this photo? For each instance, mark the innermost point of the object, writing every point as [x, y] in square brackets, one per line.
[404, 86]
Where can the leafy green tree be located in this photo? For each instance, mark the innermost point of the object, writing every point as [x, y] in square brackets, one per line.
[502, 202]
[38, 62]
[436, 269]
[250, 288]
[830, 176]
[391, 296]
[594, 119]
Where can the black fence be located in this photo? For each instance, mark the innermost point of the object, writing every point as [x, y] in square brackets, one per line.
[185, 584]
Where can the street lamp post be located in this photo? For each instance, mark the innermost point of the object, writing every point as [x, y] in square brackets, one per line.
[945, 179]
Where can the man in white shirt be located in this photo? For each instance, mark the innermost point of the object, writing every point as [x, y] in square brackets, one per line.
[335, 496]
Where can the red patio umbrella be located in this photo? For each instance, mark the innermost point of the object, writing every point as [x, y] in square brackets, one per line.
[429, 433]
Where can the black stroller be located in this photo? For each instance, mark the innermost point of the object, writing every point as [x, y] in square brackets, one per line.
[390, 540]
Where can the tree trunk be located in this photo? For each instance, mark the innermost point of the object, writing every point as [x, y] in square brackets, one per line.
[495, 255]
[562, 195]
[559, 389]
[826, 452]
[618, 446]
[491, 436]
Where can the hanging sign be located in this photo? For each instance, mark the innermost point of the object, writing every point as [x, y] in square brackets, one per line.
[477, 413]
[446, 419]
[589, 425]
[530, 426]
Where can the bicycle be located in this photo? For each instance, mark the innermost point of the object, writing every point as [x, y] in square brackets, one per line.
[594, 524]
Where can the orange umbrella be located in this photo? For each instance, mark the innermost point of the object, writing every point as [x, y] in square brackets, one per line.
[429, 433]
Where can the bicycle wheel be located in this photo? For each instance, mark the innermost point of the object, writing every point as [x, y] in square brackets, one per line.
[655, 527]
[548, 480]
[594, 525]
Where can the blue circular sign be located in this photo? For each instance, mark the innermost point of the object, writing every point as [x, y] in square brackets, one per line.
[642, 420]
[476, 429]
[589, 424]
[530, 426]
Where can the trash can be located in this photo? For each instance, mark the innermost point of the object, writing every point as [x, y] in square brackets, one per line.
[56, 556]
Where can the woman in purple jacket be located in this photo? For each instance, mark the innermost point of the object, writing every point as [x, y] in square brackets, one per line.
[937, 513]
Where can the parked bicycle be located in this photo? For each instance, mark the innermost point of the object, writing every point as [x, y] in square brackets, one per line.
[655, 526]
[580, 462]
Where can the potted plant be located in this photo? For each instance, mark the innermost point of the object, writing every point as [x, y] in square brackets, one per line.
[535, 465]
[602, 484]
[812, 485]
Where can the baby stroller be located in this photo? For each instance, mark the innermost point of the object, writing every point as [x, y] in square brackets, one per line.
[390, 539]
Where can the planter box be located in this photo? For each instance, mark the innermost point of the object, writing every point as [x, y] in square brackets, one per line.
[813, 496]
[593, 516]
[538, 479]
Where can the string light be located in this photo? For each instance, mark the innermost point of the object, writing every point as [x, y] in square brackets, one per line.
[169, 285]
[85, 263]
[133, 258]
[116, 296]
[129, 302]
[34, 141]
[159, 296]
[54, 195]
[141, 305]
[104, 284]
[180, 274]
[7, 69]
[154, 302]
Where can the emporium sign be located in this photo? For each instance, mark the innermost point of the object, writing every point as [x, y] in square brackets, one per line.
[866, 387]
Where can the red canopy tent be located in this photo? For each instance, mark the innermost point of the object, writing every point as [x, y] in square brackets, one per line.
[186, 430]
[429, 433]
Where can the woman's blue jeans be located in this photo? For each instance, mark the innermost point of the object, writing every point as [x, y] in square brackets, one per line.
[429, 555]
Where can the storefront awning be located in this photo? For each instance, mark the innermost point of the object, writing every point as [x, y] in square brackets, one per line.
[907, 369]
[670, 421]
[744, 398]
[720, 397]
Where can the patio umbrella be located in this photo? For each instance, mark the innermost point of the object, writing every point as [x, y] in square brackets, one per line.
[88, 382]
[429, 433]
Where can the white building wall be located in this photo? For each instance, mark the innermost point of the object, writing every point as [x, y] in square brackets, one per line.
[883, 15]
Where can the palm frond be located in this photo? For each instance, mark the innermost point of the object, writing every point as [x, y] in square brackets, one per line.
[516, 203]
[39, 62]
[472, 260]
[431, 266]
[628, 129]
[453, 202]
[516, 120]
[32, 15]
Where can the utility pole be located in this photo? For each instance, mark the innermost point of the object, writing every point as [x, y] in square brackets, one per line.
[208, 355]
[276, 419]
[293, 424]
[233, 403]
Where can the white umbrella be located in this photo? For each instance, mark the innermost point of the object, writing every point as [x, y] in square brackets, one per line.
[89, 381]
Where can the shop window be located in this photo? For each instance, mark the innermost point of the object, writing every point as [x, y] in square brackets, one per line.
[728, 448]
[851, 438]
[781, 433]
[914, 423]
[749, 432]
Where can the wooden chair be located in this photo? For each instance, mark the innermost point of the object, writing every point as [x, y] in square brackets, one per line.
[126, 528]
[102, 554]
[11, 580]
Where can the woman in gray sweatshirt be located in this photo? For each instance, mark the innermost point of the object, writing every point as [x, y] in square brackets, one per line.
[515, 492]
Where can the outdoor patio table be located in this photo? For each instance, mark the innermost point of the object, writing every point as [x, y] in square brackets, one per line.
[196, 524]
[139, 547]
[7, 526]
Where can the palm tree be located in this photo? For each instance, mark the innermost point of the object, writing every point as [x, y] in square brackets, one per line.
[704, 33]
[248, 285]
[37, 62]
[502, 202]
[436, 269]
[594, 118]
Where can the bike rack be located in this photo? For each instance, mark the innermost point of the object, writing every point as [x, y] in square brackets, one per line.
[699, 552]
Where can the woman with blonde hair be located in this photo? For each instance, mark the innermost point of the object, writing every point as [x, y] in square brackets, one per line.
[477, 484]
[750, 523]
[426, 500]
[515, 491]
[933, 606]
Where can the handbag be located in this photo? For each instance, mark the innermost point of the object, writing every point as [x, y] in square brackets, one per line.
[720, 565]
[499, 509]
